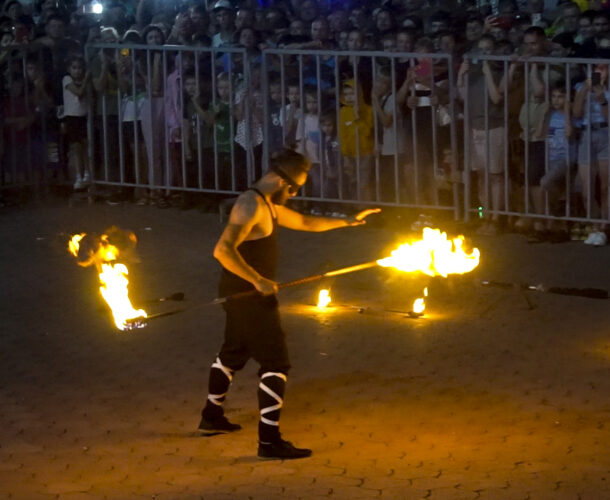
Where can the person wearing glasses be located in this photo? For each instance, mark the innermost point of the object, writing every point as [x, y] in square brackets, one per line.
[247, 251]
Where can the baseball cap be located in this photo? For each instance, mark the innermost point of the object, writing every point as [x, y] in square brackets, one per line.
[223, 4]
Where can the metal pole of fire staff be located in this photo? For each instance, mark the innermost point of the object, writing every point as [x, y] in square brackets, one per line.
[140, 322]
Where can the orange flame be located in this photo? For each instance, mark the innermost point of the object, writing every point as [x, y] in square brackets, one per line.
[112, 276]
[434, 255]
[323, 298]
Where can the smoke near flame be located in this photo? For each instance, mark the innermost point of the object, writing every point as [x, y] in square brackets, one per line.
[100, 252]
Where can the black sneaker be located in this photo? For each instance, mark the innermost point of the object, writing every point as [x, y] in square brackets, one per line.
[218, 425]
[280, 449]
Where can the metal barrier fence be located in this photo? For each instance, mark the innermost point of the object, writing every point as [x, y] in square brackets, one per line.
[383, 128]
[29, 142]
[539, 149]
[179, 116]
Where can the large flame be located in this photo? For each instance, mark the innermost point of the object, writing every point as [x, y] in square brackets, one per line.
[323, 298]
[434, 255]
[113, 278]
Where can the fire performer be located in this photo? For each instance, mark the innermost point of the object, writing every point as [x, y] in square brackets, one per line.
[247, 250]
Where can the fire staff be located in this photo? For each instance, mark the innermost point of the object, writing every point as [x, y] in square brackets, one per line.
[247, 250]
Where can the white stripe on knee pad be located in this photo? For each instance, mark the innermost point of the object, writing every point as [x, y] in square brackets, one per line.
[217, 399]
[224, 369]
[280, 401]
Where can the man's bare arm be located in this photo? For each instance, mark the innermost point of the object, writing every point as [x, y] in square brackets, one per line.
[245, 215]
[300, 222]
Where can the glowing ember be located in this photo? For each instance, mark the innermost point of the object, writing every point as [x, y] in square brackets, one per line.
[434, 255]
[113, 275]
[323, 298]
[419, 305]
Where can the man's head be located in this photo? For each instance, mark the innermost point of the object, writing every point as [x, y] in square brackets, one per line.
[289, 169]
[534, 41]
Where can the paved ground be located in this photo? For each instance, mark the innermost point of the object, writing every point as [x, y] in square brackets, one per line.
[494, 394]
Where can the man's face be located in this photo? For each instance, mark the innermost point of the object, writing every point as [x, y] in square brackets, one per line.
[224, 18]
[384, 21]
[474, 30]
[297, 28]
[286, 191]
[308, 11]
[571, 15]
[404, 42]
[600, 24]
[585, 28]
[532, 45]
[55, 29]
[319, 30]
[354, 41]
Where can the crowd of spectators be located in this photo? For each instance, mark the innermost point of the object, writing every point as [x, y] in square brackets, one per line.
[50, 84]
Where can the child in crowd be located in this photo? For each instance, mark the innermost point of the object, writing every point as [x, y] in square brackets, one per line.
[75, 109]
[557, 128]
[308, 140]
[248, 106]
[392, 133]
[357, 141]
[198, 139]
[291, 112]
[276, 102]
[331, 155]
[218, 116]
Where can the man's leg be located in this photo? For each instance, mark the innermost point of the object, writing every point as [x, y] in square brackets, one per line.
[270, 350]
[213, 420]
[270, 401]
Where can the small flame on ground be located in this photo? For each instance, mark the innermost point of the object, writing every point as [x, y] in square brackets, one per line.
[323, 298]
[419, 305]
[113, 279]
[434, 255]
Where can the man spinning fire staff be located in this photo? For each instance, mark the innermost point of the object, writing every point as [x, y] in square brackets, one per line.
[247, 250]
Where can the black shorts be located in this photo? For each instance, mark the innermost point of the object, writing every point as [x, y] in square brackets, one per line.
[253, 330]
[76, 128]
[535, 165]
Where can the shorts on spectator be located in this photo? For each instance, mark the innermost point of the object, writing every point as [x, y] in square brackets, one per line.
[76, 128]
[599, 146]
[479, 159]
[536, 160]
[555, 176]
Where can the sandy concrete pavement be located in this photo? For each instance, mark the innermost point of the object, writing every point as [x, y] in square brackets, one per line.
[494, 394]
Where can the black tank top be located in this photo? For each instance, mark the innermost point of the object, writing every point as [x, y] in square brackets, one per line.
[261, 254]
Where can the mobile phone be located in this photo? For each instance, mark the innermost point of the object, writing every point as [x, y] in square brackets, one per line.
[596, 79]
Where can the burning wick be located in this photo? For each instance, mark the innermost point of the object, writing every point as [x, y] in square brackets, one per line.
[323, 298]
[113, 279]
[419, 306]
